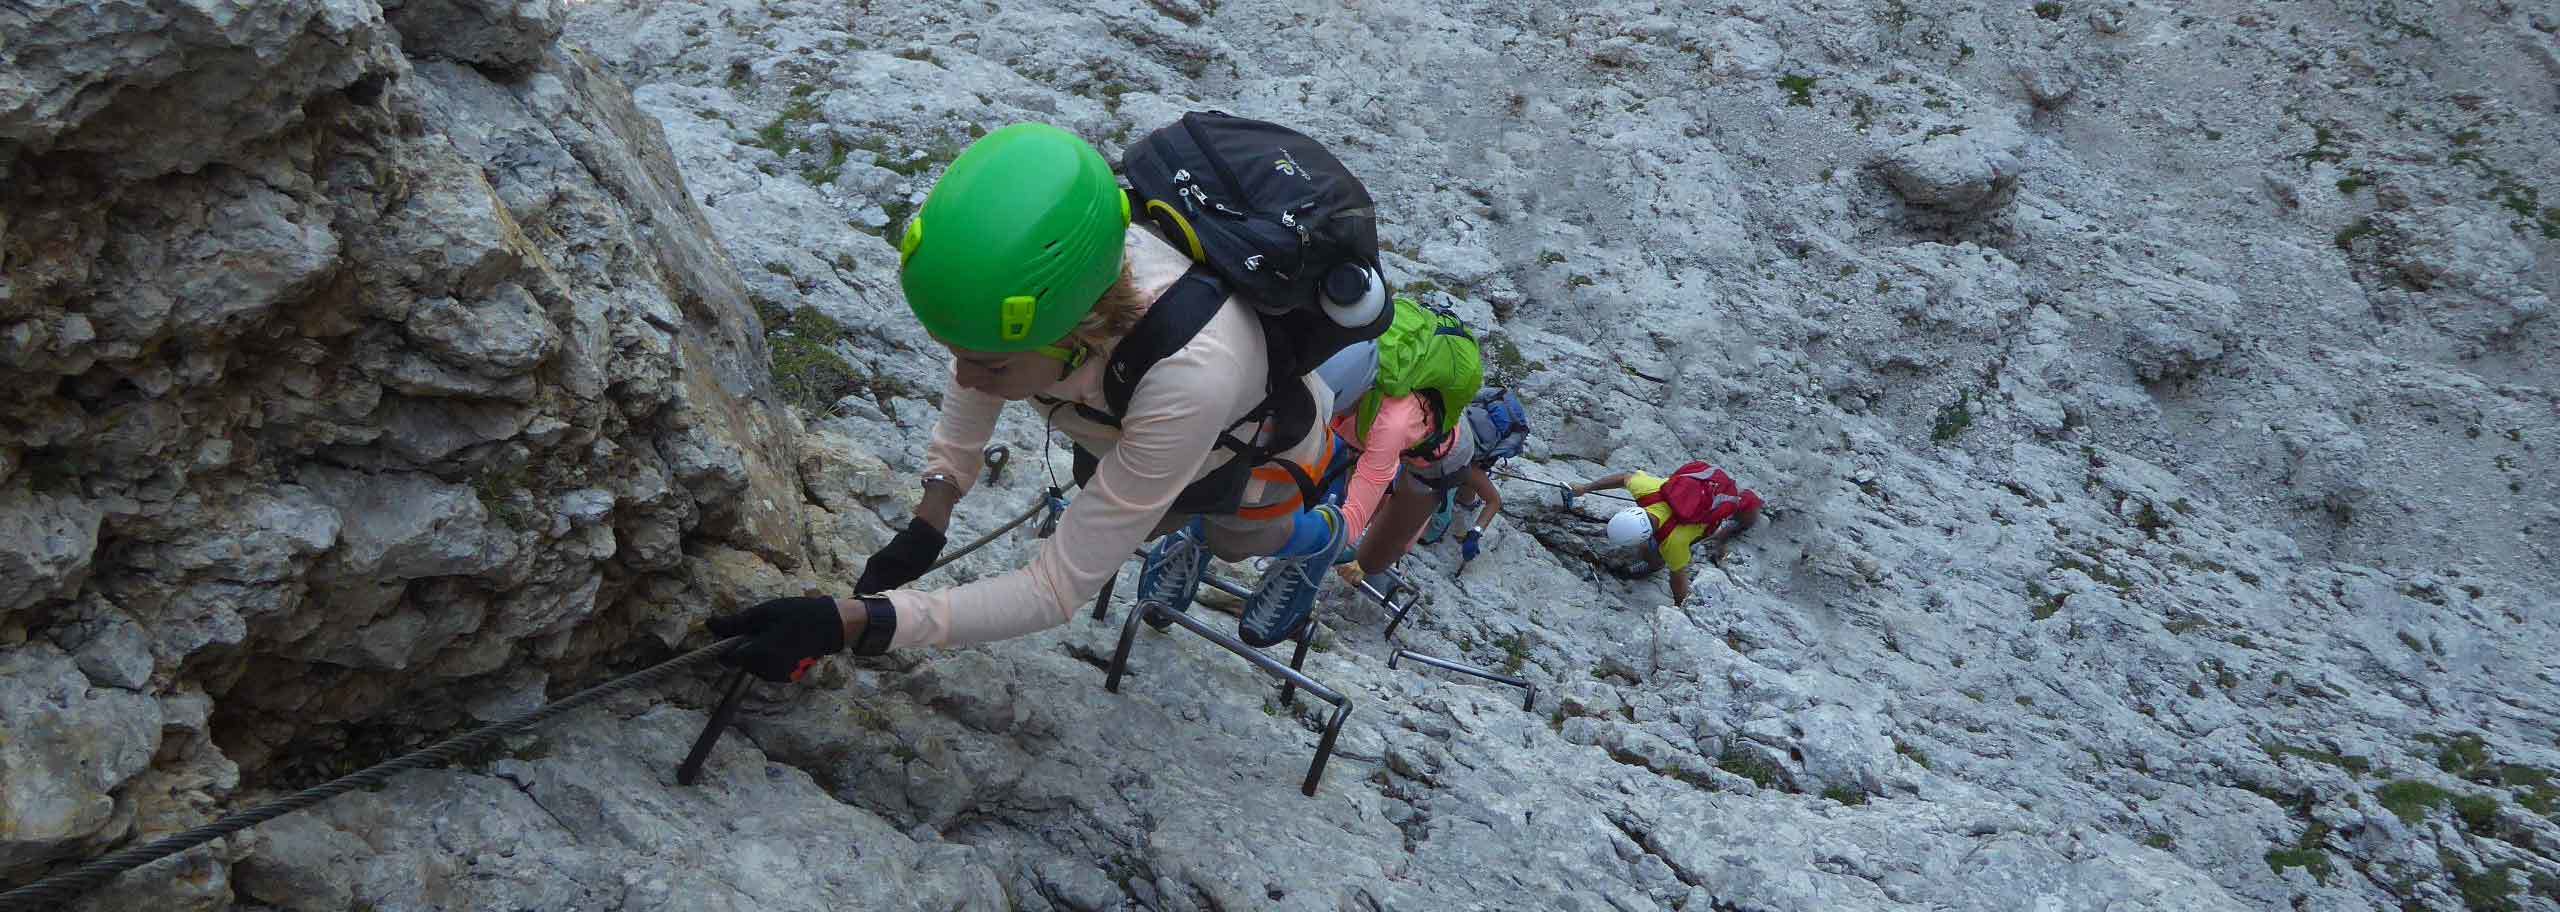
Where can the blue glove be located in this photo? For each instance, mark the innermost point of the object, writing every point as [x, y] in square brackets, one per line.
[1569, 497]
[1471, 545]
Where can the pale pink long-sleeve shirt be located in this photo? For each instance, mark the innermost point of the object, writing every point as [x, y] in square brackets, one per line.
[1167, 440]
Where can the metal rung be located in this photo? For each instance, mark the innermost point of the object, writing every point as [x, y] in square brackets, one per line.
[721, 718]
[1387, 600]
[1527, 701]
[1227, 586]
[1289, 673]
[1260, 659]
[1102, 602]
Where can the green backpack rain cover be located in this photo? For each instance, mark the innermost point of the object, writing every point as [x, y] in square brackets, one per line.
[1425, 349]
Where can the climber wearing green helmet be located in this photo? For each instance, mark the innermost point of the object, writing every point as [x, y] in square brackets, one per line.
[1023, 262]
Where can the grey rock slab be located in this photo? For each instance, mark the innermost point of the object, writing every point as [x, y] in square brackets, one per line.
[503, 334]
[1965, 169]
[46, 544]
[590, 814]
[70, 745]
[113, 650]
[503, 36]
[212, 256]
[155, 88]
[407, 525]
[426, 430]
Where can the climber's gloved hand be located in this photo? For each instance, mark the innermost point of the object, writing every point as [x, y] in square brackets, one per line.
[907, 556]
[785, 636]
[1471, 545]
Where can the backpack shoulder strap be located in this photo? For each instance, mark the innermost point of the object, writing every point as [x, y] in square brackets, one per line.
[1170, 324]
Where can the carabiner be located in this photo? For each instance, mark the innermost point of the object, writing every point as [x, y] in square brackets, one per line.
[1057, 508]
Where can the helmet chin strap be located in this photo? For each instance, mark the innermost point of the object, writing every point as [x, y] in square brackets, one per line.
[1075, 359]
[1068, 358]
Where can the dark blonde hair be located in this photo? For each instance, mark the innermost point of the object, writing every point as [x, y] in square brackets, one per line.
[1116, 313]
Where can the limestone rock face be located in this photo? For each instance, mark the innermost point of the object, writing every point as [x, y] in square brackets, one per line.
[504, 37]
[2154, 406]
[340, 376]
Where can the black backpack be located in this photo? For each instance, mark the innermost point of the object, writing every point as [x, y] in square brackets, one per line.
[1268, 213]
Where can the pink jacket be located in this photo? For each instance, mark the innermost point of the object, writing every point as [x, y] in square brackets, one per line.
[1402, 423]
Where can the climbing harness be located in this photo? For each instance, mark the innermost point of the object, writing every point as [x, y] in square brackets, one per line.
[59, 890]
[1056, 500]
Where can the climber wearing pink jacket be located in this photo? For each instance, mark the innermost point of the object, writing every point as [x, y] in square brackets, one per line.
[1406, 437]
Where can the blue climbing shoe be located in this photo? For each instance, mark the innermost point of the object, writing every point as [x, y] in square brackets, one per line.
[1288, 592]
[1171, 575]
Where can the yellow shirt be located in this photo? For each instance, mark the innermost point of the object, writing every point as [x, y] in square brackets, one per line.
[1675, 549]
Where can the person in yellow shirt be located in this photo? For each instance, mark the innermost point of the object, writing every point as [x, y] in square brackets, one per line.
[1698, 503]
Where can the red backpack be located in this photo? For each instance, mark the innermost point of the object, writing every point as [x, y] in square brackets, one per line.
[1699, 494]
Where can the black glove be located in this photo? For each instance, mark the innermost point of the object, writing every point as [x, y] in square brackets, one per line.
[906, 557]
[786, 636]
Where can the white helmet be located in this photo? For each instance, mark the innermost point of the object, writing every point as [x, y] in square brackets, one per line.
[1631, 527]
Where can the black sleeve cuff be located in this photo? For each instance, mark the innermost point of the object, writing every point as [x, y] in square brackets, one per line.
[879, 626]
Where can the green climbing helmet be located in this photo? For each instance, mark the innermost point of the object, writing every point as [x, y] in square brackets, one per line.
[1016, 242]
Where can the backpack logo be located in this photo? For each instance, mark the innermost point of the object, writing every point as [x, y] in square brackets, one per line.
[1263, 236]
